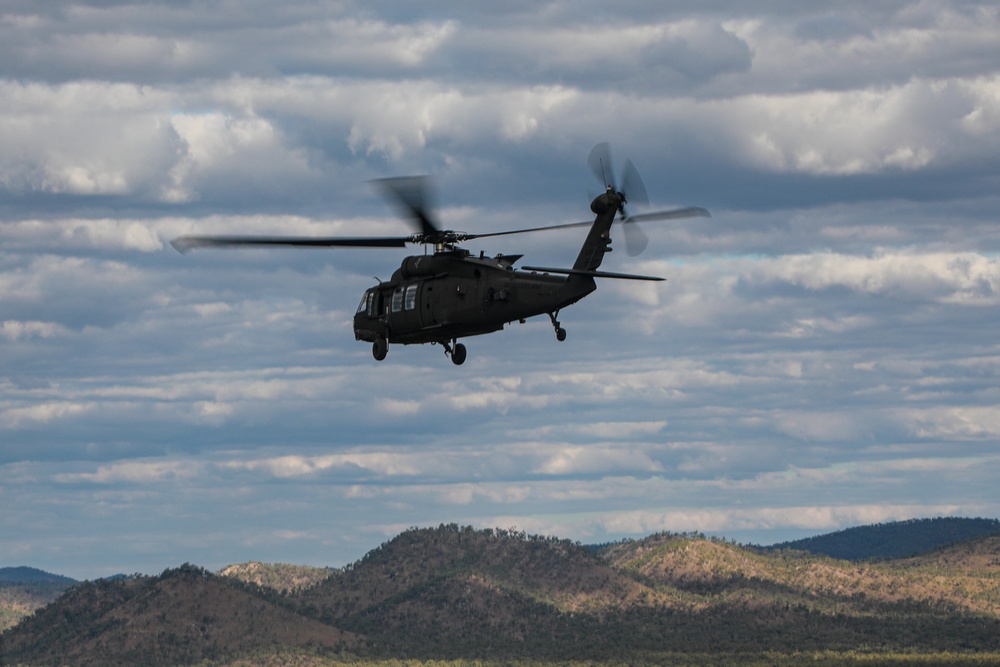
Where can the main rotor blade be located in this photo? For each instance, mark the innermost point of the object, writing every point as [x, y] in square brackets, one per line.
[673, 214]
[412, 193]
[187, 243]
[689, 212]
[525, 231]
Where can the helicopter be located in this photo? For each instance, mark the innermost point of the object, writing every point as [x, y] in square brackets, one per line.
[451, 294]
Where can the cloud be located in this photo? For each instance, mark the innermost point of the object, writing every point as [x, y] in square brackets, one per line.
[41, 413]
[816, 518]
[84, 138]
[376, 463]
[829, 333]
[949, 277]
[14, 330]
[134, 472]
[955, 422]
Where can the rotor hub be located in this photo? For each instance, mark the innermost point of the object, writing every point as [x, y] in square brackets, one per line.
[612, 200]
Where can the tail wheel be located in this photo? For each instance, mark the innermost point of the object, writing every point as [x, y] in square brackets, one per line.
[560, 334]
[380, 348]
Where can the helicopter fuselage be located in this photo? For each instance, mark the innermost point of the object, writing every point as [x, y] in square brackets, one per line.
[451, 294]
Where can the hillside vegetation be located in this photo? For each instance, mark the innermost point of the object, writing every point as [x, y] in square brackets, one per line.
[25, 589]
[454, 593]
[280, 577]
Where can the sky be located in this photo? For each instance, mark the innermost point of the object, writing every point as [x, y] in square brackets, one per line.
[823, 354]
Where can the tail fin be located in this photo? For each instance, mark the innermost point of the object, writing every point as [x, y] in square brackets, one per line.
[598, 242]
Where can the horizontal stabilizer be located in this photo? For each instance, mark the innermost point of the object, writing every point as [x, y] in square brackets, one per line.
[592, 274]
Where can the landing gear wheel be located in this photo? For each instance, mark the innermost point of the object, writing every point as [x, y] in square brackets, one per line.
[560, 332]
[456, 351]
[380, 348]
[458, 354]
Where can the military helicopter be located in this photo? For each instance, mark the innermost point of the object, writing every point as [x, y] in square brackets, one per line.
[450, 294]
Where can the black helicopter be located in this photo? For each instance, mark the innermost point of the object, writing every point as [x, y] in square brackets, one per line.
[451, 294]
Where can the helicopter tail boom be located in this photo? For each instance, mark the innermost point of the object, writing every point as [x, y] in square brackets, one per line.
[598, 243]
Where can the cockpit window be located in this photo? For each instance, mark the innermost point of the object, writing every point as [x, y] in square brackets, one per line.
[411, 297]
[365, 300]
[397, 299]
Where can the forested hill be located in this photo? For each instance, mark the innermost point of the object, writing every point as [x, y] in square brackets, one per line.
[30, 575]
[454, 592]
[898, 539]
[25, 589]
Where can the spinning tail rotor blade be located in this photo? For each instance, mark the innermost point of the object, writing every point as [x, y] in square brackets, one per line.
[636, 240]
[634, 188]
[600, 163]
[635, 193]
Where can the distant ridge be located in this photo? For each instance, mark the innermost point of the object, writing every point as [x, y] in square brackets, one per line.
[896, 539]
[31, 575]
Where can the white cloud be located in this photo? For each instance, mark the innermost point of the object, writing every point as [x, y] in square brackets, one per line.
[41, 413]
[379, 463]
[616, 430]
[947, 276]
[135, 472]
[576, 460]
[816, 518]
[87, 138]
[14, 330]
[955, 422]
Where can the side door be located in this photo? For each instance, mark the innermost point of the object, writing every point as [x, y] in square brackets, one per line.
[404, 313]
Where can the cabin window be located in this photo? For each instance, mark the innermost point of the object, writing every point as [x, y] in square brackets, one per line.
[397, 299]
[365, 302]
[411, 297]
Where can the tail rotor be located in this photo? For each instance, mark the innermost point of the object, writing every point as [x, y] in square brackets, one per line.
[632, 191]
[635, 192]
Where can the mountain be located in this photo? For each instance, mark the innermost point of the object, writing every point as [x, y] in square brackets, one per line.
[452, 592]
[183, 616]
[899, 539]
[457, 593]
[30, 575]
[961, 579]
[24, 589]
